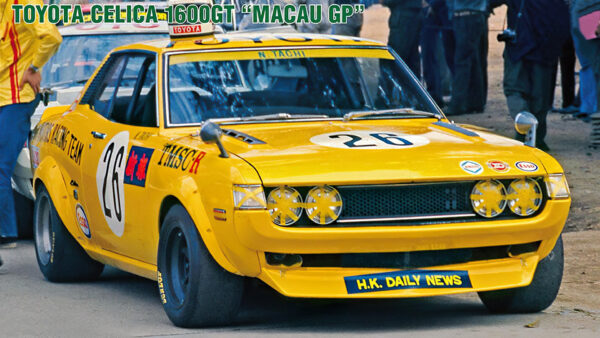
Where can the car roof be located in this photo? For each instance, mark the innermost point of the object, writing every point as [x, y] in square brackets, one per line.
[243, 40]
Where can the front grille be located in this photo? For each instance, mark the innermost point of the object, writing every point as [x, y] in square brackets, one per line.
[413, 260]
[396, 201]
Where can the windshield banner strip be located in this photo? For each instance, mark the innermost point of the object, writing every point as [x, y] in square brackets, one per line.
[281, 54]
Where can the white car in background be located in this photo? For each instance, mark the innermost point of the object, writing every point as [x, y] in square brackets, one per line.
[83, 48]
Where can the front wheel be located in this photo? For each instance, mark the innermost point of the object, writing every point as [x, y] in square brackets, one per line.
[195, 290]
[535, 297]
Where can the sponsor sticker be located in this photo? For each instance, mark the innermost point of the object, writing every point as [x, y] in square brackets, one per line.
[82, 221]
[409, 279]
[369, 139]
[498, 166]
[526, 166]
[471, 167]
[181, 157]
[137, 165]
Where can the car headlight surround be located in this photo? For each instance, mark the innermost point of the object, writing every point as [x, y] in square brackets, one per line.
[285, 205]
[249, 197]
[557, 186]
[323, 204]
[488, 198]
[524, 196]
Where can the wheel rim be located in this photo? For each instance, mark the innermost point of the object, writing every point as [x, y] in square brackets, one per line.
[178, 265]
[43, 242]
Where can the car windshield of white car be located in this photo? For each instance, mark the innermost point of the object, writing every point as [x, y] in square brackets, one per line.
[290, 87]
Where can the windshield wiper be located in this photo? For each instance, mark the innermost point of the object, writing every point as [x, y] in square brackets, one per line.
[279, 116]
[400, 111]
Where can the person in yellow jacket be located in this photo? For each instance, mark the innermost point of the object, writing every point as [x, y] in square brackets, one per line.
[24, 49]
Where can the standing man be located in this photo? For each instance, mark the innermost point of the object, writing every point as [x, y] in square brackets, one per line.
[469, 84]
[406, 21]
[24, 49]
[539, 29]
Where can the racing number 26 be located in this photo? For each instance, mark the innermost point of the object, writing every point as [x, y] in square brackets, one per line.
[110, 184]
[377, 139]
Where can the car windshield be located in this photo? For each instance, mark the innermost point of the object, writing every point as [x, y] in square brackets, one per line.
[79, 55]
[290, 84]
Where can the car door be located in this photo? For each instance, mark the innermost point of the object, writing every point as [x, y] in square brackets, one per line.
[121, 106]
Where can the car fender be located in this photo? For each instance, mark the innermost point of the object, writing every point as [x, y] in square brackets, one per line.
[188, 195]
[49, 174]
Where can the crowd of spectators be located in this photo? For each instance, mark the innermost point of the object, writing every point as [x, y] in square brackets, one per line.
[449, 38]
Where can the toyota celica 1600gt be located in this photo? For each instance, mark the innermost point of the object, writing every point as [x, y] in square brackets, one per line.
[317, 164]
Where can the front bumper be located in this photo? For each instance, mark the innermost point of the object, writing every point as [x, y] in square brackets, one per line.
[256, 232]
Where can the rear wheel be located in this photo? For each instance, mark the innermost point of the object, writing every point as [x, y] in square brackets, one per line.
[535, 297]
[59, 256]
[195, 290]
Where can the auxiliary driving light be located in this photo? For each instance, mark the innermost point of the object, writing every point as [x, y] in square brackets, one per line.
[524, 196]
[323, 204]
[284, 205]
[488, 198]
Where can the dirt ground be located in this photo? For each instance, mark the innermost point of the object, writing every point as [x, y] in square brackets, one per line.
[568, 140]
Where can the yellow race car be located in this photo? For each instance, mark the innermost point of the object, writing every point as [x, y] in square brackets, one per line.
[317, 164]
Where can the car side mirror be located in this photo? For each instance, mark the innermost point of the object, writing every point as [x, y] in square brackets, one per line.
[526, 124]
[211, 133]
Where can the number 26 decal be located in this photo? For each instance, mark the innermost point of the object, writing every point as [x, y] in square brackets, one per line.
[365, 139]
[109, 182]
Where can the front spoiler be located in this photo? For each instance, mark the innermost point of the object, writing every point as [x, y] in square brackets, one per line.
[329, 282]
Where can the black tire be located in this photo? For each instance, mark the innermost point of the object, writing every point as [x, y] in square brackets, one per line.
[535, 297]
[24, 212]
[195, 290]
[59, 256]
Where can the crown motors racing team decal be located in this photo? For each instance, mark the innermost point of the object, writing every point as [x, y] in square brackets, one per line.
[408, 279]
[498, 166]
[471, 167]
[368, 139]
[526, 166]
[82, 221]
[109, 182]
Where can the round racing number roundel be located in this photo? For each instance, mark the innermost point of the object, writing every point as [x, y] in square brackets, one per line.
[369, 139]
[109, 181]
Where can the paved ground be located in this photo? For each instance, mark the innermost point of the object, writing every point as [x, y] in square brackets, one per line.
[121, 304]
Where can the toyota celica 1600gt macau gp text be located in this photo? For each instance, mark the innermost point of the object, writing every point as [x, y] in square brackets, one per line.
[314, 163]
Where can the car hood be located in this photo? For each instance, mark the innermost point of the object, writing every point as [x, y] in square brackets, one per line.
[377, 152]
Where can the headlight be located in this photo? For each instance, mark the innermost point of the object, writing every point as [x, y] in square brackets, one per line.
[284, 205]
[323, 204]
[248, 196]
[557, 186]
[524, 196]
[488, 198]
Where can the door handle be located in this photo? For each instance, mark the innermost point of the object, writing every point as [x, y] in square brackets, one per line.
[98, 135]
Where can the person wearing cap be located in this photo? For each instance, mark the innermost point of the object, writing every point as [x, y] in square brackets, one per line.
[24, 49]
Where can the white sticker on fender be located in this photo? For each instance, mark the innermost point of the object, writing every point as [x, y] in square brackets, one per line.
[109, 181]
[369, 139]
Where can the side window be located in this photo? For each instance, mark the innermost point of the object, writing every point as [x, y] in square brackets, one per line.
[100, 95]
[142, 110]
[125, 91]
